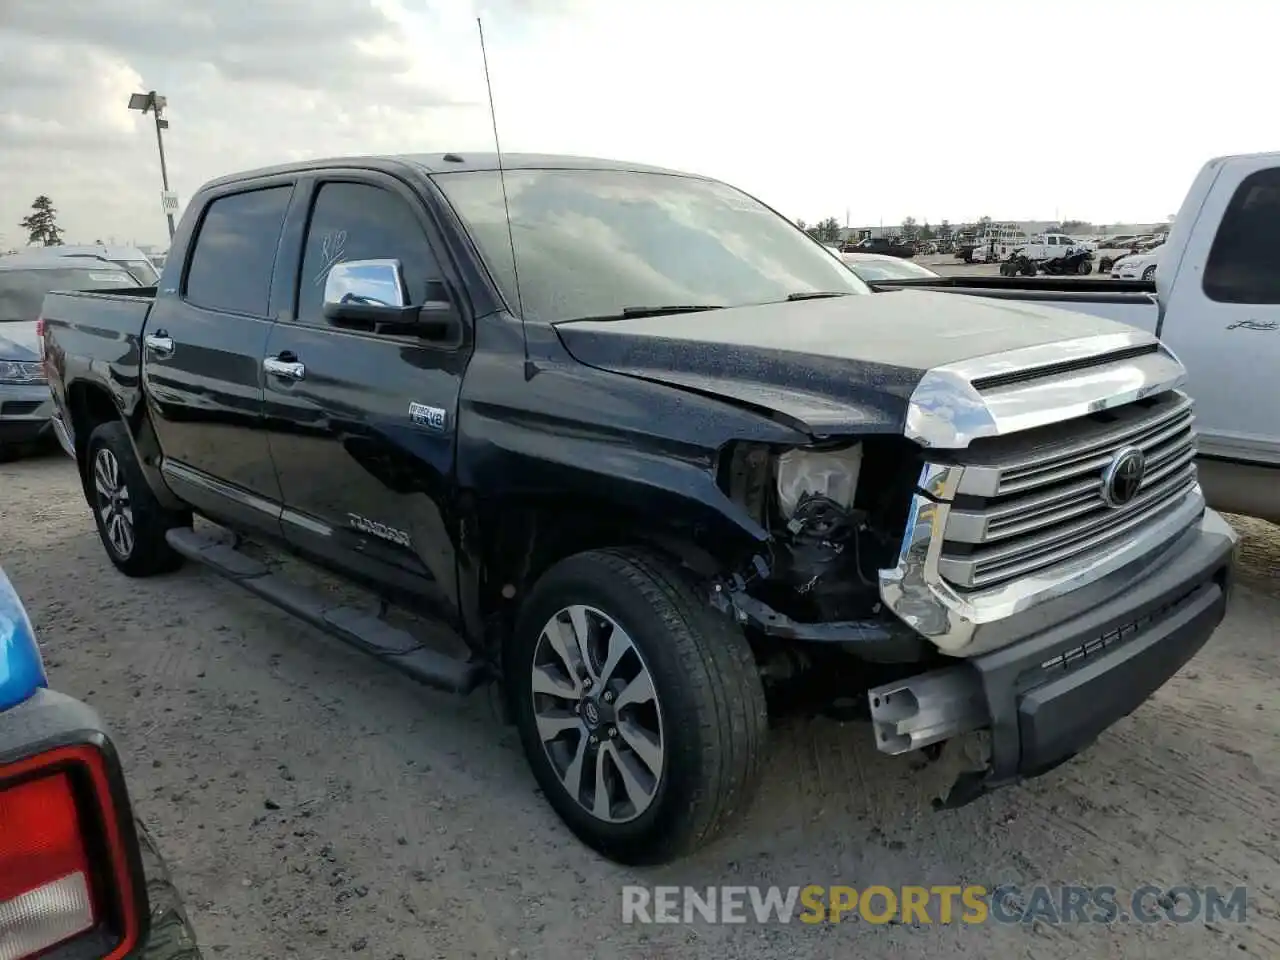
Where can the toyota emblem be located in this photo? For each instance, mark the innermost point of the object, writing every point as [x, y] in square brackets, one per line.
[1122, 479]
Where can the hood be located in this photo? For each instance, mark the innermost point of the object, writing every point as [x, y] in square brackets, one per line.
[18, 340]
[839, 365]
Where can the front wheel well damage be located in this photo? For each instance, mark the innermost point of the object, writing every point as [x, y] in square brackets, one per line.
[529, 539]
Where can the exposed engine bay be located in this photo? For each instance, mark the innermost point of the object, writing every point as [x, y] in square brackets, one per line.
[836, 513]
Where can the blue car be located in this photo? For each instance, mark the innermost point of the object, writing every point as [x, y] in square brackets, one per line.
[79, 876]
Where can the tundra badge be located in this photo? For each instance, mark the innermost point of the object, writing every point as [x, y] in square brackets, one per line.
[433, 418]
[380, 530]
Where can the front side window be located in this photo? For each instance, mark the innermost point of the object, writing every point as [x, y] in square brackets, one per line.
[591, 243]
[235, 252]
[22, 291]
[1244, 263]
[359, 221]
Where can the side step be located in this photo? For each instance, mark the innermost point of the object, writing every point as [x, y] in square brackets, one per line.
[360, 629]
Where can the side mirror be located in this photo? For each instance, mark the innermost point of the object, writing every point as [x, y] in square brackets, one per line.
[371, 294]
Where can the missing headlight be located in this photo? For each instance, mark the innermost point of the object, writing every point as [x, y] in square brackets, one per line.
[829, 474]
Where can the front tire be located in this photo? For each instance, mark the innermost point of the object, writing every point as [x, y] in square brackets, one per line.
[640, 708]
[131, 522]
[1149, 274]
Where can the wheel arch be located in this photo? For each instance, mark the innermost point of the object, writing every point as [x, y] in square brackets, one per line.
[522, 538]
[89, 405]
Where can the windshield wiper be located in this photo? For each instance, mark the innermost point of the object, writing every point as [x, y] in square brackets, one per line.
[629, 313]
[817, 294]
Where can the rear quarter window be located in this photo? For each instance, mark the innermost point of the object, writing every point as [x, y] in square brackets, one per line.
[1244, 262]
[235, 252]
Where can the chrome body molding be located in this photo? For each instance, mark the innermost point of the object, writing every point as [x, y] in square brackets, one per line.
[63, 434]
[1052, 382]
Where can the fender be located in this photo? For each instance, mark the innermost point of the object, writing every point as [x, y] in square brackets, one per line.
[566, 459]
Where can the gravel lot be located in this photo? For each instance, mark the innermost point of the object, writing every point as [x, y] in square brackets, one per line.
[315, 804]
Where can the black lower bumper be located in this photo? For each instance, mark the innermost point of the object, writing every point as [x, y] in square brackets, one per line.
[24, 431]
[1049, 696]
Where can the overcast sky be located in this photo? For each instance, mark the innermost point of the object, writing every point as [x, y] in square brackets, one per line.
[1025, 109]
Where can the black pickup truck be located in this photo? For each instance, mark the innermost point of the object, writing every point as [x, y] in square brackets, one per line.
[885, 245]
[660, 460]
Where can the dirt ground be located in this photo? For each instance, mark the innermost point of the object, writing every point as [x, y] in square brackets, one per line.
[314, 804]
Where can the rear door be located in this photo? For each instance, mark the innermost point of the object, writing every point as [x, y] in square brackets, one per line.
[202, 358]
[1223, 313]
[363, 441]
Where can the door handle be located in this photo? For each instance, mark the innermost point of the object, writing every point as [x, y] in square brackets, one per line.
[160, 342]
[289, 369]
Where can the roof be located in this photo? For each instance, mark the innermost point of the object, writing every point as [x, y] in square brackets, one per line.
[45, 261]
[440, 163]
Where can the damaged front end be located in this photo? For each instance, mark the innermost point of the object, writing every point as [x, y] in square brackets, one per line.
[835, 512]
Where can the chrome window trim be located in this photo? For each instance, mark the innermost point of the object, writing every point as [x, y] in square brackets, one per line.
[946, 411]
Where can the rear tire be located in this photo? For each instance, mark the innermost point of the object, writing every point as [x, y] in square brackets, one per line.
[679, 715]
[131, 522]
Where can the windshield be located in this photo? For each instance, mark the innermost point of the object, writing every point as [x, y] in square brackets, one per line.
[591, 243]
[873, 270]
[142, 271]
[22, 291]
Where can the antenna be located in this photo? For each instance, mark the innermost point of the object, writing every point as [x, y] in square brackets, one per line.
[506, 206]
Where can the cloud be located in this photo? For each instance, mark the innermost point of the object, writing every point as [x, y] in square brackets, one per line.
[247, 85]
[815, 106]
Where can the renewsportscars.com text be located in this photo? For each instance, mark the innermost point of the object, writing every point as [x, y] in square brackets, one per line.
[934, 904]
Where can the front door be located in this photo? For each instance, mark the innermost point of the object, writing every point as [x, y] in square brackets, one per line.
[1223, 318]
[202, 360]
[363, 441]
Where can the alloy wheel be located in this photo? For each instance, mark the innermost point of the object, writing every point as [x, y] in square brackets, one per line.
[113, 504]
[597, 714]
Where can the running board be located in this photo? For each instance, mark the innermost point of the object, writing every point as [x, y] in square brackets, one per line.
[356, 627]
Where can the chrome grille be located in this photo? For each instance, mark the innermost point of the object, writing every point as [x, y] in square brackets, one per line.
[1028, 502]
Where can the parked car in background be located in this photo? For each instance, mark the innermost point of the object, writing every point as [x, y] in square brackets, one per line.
[1212, 293]
[879, 266]
[130, 258]
[25, 406]
[1137, 266]
[655, 488]
[79, 876]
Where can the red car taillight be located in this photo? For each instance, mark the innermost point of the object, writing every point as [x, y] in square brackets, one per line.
[65, 873]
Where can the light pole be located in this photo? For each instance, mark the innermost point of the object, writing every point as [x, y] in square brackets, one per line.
[151, 101]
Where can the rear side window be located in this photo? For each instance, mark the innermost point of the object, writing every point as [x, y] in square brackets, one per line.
[1244, 263]
[235, 252]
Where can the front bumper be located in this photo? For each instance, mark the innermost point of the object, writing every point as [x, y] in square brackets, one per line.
[1080, 666]
[25, 411]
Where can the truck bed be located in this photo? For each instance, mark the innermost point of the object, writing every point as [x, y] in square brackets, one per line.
[101, 330]
[1127, 301]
